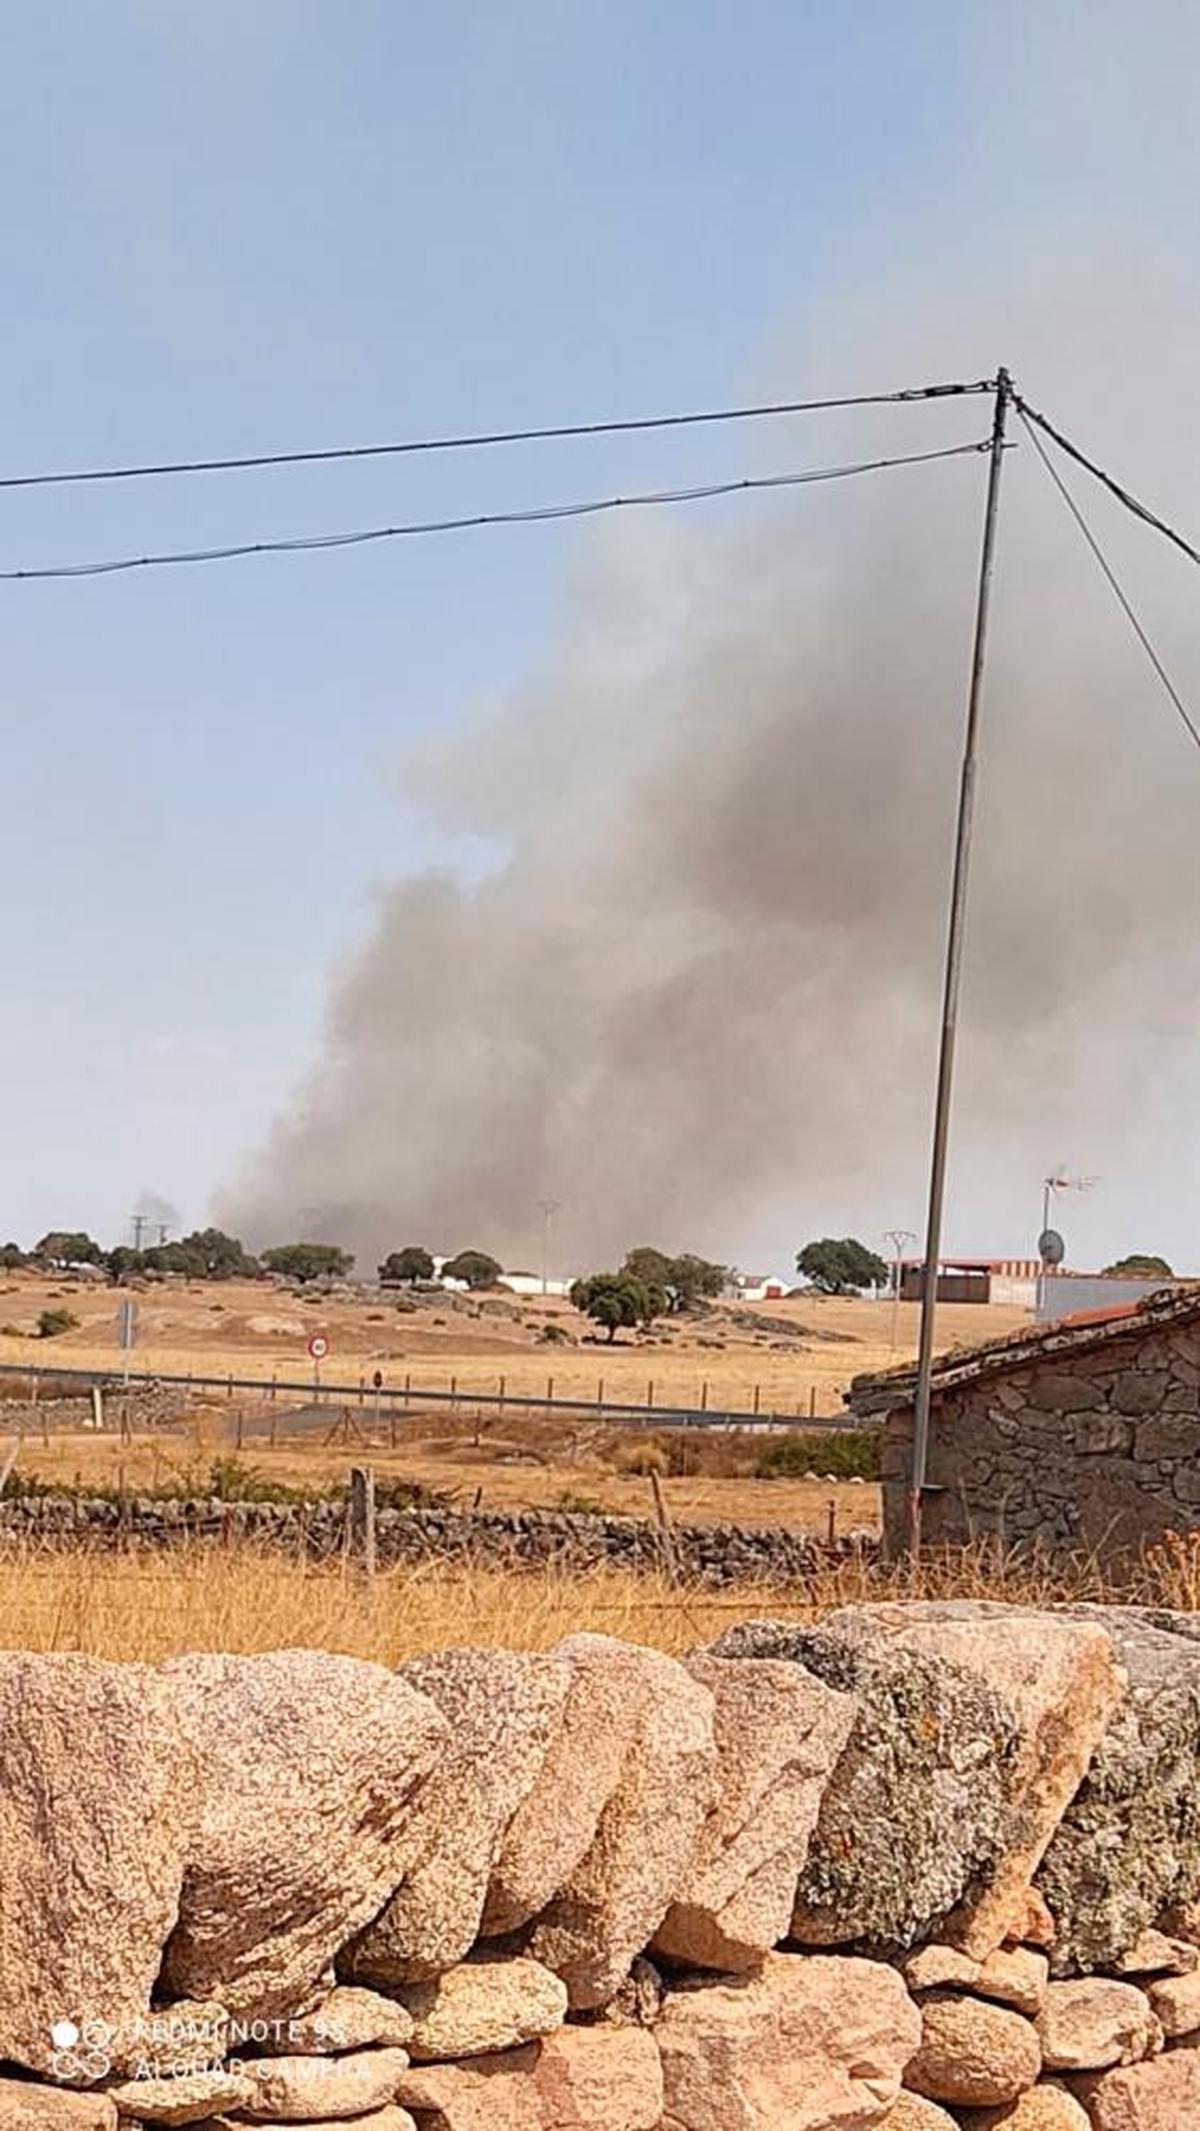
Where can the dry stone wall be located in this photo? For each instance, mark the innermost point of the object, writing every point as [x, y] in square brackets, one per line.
[919, 1867]
[716, 1555]
[1095, 1448]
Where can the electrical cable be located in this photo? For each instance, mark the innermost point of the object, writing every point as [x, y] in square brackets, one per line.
[536, 514]
[234, 464]
[1140, 510]
[1111, 575]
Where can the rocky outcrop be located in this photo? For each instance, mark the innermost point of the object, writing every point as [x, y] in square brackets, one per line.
[1063, 1684]
[972, 2051]
[648, 1833]
[24, 2107]
[778, 1735]
[96, 1776]
[1128, 1844]
[300, 2089]
[308, 1769]
[1092, 2023]
[914, 1815]
[581, 2080]
[500, 1713]
[809, 2044]
[483, 2006]
[199, 1854]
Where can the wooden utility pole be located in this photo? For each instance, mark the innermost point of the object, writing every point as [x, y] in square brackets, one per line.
[952, 977]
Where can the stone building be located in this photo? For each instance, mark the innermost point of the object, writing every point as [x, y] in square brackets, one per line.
[1084, 1433]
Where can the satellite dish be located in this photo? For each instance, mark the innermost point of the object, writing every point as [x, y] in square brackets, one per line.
[1051, 1248]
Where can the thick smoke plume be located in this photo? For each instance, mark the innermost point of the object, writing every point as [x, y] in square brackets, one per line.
[694, 995]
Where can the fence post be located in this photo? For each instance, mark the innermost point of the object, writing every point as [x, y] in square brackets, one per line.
[757, 1396]
[549, 1389]
[274, 1424]
[650, 1392]
[812, 1402]
[704, 1396]
[239, 1427]
[663, 1520]
[97, 1406]
[362, 1519]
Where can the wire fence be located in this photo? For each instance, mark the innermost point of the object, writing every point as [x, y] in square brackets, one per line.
[388, 1402]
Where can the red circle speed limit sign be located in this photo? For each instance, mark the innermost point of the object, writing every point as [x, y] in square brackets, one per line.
[318, 1346]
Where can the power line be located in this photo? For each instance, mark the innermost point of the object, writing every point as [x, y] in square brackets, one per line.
[1123, 495]
[629, 426]
[1111, 575]
[536, 514]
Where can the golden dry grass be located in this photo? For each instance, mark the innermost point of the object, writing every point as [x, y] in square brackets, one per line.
[532, 1466]
[147, 1606]
[501, 1462]
[257, 1331]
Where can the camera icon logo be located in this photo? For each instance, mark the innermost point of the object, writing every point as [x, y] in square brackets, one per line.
[80, 2053]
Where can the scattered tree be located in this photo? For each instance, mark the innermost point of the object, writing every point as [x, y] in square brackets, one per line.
[65, 1247]
[218, 1256]
[1142, 1265]
[838, 1265]
[11, 1257]
[475, 1267]
[405, 1267]
[618, 1301]
[122, 1261]
[308, 1261]
[687, 1281]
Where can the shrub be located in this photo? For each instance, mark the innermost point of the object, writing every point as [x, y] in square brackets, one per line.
[52, 1322]
[846, 1454]
[643, 1460]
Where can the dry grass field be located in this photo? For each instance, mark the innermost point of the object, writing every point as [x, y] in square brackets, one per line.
[148, 1606]
[531, 1466]
[793, 1357]
[799, 1353]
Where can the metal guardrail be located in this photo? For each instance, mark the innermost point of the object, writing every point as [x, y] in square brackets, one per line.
[391, 1399]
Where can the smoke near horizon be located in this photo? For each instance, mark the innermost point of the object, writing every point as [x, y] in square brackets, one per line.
[692, 995]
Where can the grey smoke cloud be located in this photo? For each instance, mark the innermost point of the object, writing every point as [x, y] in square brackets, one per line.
[693, 997]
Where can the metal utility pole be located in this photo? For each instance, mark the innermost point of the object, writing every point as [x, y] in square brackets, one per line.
[897, 1237]
[549, 1208]
[139, 1224]
[952, 976]
[1050, 1245]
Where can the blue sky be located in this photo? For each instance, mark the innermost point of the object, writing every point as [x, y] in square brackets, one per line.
[237, 227]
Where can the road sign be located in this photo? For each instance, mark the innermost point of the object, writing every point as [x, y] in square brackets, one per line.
[1051, 1247]
[318, 1346]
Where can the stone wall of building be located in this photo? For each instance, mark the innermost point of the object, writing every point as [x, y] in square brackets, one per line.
[906, 1870]
[1098, 1448]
